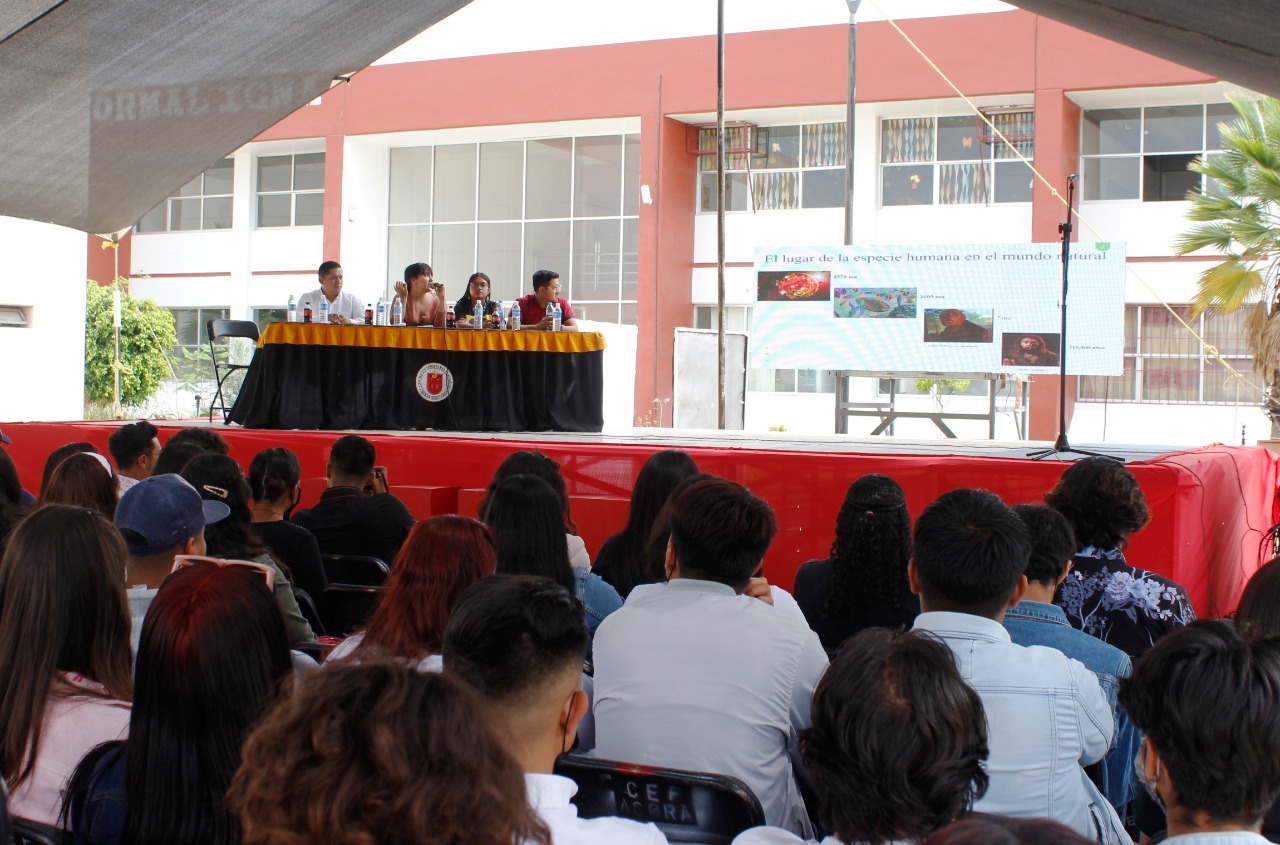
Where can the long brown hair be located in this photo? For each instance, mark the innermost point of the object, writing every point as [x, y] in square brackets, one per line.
[82, 480]
[440, 558]
[62, 609]
[376, 752]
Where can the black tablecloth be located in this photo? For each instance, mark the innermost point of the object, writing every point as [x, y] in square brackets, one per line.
[329, 386]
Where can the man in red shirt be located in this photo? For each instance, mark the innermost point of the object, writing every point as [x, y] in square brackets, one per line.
[533, 306]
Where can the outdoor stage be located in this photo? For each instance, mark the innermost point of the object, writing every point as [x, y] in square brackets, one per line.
[1210, 506]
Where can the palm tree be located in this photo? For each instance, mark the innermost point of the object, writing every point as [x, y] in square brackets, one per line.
[1238, 215]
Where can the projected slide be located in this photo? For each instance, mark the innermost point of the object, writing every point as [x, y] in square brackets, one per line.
[951, 308]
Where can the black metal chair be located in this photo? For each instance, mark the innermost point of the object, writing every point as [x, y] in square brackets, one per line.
[310, 611]
[686, 806]
[26, 832]
[361, 570]
[217, 330]
[346, 607]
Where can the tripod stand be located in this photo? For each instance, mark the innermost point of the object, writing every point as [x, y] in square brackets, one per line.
[1061, 445]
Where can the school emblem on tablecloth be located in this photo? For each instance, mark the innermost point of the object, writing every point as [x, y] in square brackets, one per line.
[434, 382]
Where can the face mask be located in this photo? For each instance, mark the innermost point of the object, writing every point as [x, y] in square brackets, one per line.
[1140, 769]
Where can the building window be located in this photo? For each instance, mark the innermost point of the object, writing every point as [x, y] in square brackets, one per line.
[797, 167]
[508, 208]
[956, 160]
[1143, 153]
[202, 203]
[291, 190]
[1164, 363]
[266, 316]
[191, 324]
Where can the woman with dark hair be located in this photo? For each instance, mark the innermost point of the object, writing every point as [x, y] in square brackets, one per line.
[478, 288]
[85, 480]
[527, 519]
[212, 658]
[174, 457]
[65, 663]
[441, 557]
[218, 478]
[864, 582]
[375, 752]
[540, 466]
[11, 510]
[422, 296]
[997, 830]
[622, 560]
[897, 744]
[1103, 595]
[275, 478]
[59, 455]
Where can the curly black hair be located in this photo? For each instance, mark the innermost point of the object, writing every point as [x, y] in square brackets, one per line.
[872, 546]
[1102, 501]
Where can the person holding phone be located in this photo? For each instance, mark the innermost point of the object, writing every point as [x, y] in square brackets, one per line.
[422, 296]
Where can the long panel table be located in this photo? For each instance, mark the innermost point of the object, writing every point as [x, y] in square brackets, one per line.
[314, 376]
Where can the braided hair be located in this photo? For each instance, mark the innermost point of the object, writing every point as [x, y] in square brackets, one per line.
[872, 546]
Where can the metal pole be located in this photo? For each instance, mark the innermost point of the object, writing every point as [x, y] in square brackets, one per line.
[848, 120]
[116, 365]
[720, 201]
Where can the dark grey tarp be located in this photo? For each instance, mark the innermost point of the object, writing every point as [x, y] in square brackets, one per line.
[1235, 40]
[108, 106]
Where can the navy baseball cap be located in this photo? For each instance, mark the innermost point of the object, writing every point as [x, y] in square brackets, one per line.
[165, 510]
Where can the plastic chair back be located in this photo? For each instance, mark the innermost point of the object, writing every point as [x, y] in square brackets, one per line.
[361, 570]
[346, 607]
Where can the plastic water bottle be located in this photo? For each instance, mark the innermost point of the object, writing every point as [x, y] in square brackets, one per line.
[324, 309]
[515, 317]
[501, 313]
[293, 310]
[477, 315]
[397, 312]
[551, 312]
[382, 312]
[556, 315]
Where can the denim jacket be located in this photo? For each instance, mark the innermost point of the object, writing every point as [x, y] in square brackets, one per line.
[597, 596]
[1037, 623]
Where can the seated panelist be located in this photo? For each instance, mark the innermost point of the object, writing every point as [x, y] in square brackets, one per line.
[533, 306]
[344, 308]
[422, 296]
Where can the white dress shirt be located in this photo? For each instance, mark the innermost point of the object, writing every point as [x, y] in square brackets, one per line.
[694, 676]
[550, 794]
[782, 600]
[1046, 717]
[347, 304]
[775, 836]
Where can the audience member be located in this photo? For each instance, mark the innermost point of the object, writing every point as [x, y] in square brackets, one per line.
[64, 652]
[59, 455]
[1036, 620]
[1206, 698]
[527, 521]
[85, 480]
[218, 478]
[357, 515]
[1046, 715]
[422, 296]
[134, 447]
[344, 307]
[160, 518]
[11, 507]
[622, 560]
[897, 743]
[998, 830]
[520, 642]
[443, 556]
[205, 438]
[1103, 595]
[174, 457]
[212, 656]
[540, 466]
[697, 676]
[375, 752]
[864, 582]
[533, 306]
[275, 482]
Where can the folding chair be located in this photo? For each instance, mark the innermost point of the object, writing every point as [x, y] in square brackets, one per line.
[361, 570]
[310, 611]
[217, 330]
[26, 832]
[686, 806]
[345, 607]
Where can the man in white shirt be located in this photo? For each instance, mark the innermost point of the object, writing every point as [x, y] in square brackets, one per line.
[1046, 714]
[698, 676]
[520, 642]
[135, 447]
[344, 308]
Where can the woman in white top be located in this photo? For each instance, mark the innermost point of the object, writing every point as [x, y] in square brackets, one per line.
[65, 662]
[897, 743]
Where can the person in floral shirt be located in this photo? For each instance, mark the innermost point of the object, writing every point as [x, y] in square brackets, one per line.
[1103, 595]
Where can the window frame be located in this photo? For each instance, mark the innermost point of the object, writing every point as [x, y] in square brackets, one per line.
[989, 164]
[293, 192]
[742, 175]
[202, 195]
[1141, 155]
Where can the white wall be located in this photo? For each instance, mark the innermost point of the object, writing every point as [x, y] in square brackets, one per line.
[44, 273]
[366, 173]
